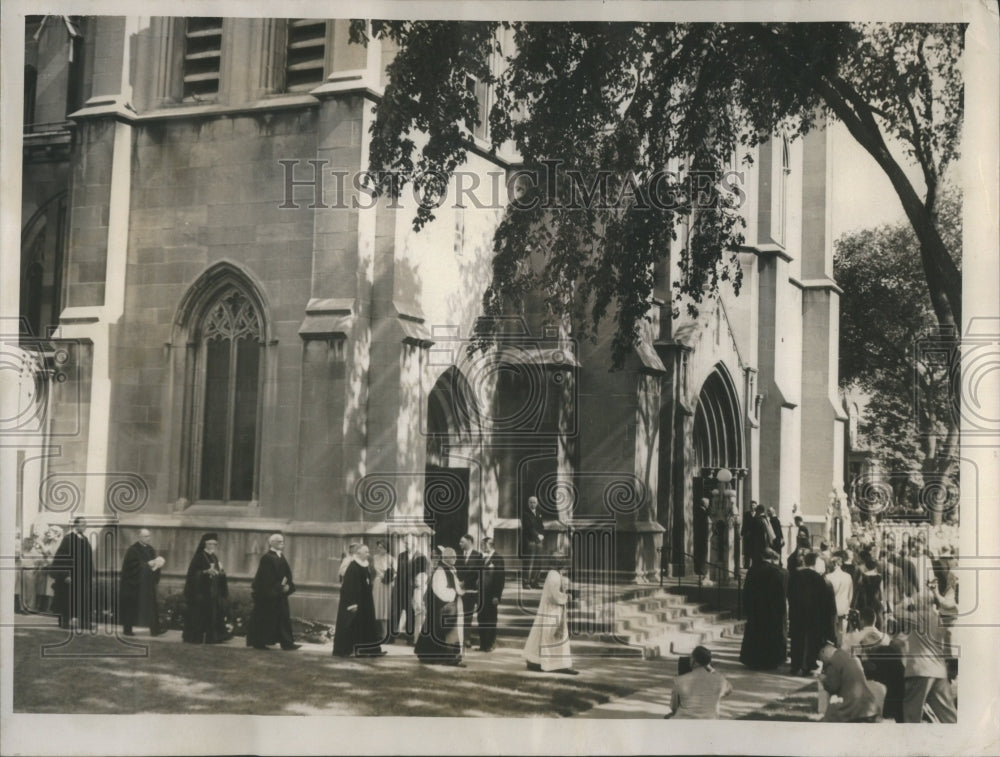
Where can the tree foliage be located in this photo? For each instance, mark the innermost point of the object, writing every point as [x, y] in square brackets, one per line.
[633, 99]
[892, 348]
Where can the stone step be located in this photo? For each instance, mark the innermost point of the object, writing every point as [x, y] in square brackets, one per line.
[590, 647]
[632, 620]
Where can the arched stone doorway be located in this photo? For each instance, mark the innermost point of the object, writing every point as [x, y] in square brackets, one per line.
[446, 480]
[717, 445]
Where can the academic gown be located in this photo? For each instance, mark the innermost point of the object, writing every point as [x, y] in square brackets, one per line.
[764, 646]
[356, 629]
[138, 588]
[74, 558]
[271, 619]
[205, 594]
[440, 640]
[812, 616]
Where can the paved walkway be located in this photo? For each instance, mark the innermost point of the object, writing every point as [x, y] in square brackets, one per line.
[752, 690]
[648, 681]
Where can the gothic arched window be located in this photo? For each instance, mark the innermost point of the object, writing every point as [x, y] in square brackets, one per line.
[229, 353]
[782, 214]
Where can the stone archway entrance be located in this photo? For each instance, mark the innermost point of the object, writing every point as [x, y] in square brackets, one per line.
[718, 446]
[446, 483]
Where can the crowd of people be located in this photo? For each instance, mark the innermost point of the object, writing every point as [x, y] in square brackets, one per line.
[36, 588]
[872, 620]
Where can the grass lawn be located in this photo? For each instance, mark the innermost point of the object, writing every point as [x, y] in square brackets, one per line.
[799, 706]
[182, 678]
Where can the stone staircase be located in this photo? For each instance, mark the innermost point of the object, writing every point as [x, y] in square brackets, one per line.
[623, 621]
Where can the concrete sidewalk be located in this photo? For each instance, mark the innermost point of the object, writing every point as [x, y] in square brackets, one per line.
[648, 683]
[752, 690]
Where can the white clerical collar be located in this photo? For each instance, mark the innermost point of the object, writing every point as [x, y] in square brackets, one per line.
[276, 551]
[362, 564]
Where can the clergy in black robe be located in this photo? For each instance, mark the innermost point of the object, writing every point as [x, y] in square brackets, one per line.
[491, 591]
[205, 592]
[271, 619]
[758, 538]
[419, 578]
[356, 631]
[402, 590]
[440, 641]
[73, 578]
[140, 576]
[764, 645]
[795, 559]
[812, 615]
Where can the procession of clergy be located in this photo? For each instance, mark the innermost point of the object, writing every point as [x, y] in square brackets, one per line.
[431, 604]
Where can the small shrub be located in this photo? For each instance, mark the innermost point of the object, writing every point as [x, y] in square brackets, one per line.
[172, 608]
[238, 608]
[240, 605]
[311, 631]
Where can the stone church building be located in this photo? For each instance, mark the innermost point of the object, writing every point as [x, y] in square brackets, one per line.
[227, 343]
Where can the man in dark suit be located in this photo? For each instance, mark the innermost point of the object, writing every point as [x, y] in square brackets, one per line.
[812, 615]
[73, 584]
[271, 620]
[469, 569]
[490, 593]
[402, 590]
[802, 532]
[532, 540]
[758, 538]
[139, 578]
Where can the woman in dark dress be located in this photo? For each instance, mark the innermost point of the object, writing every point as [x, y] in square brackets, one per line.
[440, 640]
[205, 591]
[868, 589]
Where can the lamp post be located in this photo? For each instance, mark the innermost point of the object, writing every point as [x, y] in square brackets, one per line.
[835, 531]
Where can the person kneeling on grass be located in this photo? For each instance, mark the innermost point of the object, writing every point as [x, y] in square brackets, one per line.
[697, 694]
[860, 700]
